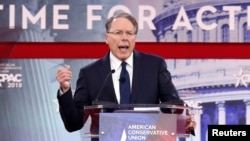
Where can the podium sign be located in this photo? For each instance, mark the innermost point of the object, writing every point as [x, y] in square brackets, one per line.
[137, 126]
[119, 123]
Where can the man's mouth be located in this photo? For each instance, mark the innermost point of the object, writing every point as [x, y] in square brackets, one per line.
[123, 47]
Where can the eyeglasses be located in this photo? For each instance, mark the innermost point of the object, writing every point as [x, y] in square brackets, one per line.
[121, 33]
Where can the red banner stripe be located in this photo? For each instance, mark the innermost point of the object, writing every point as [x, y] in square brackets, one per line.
[25, 50]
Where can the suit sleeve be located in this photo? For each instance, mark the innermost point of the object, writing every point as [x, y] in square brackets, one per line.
[71, 106]
[168, 92]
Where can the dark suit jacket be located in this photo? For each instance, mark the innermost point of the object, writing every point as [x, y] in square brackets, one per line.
[151, 84]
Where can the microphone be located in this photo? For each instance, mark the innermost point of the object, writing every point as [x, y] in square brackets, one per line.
[122, 80]
[96, 101]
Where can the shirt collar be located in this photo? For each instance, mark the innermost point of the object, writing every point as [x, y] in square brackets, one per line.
[115, 62]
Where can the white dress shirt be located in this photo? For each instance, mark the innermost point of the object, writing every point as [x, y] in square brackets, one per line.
[116, 65]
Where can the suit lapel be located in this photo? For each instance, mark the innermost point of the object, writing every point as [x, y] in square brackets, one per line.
[137, 74]
[104, 70]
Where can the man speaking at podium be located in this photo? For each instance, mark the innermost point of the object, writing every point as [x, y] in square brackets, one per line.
[122, 76]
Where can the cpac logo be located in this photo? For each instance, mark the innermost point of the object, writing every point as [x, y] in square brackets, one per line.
[194, 104]
[10, 77]
[243, 78]
[196, 107]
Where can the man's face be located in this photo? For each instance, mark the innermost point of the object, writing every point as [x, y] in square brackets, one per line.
[121, 38]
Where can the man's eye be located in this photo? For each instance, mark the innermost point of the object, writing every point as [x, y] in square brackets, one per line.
[119, 33]
[129, 33]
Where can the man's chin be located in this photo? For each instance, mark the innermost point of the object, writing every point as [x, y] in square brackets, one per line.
[124, 55]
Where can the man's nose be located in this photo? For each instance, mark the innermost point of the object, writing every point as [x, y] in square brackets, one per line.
[125, 35]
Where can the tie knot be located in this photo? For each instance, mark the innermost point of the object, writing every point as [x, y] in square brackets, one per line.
[124, 64]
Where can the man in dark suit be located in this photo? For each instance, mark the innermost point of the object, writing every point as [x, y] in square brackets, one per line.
[149, 79]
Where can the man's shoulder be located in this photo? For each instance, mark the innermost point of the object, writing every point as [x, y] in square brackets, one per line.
[150, 56]
[97, 63]
[93, 65]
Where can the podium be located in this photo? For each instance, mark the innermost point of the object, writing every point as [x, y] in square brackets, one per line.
[136, 122]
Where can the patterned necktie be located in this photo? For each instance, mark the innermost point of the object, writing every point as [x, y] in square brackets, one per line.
[124, 85]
